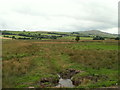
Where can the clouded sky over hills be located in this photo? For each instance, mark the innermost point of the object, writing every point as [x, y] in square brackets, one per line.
[59, 15]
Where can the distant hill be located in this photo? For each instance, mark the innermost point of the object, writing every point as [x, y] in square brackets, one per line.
[49, 33]
[97, 33]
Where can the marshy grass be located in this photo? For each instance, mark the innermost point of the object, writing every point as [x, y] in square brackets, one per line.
[26, 62]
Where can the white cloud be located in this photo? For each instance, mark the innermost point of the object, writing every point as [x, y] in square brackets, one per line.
[111, 30]
[58, 15]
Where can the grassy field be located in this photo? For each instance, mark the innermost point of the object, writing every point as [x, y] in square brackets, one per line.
[26, 62]
[61, 38]
[73, 38]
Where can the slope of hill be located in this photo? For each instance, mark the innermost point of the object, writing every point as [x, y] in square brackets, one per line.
[97, 32]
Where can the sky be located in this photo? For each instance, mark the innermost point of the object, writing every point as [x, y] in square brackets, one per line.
[59, 15]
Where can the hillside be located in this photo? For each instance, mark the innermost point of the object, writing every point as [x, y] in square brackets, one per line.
[43, 35]
[97, 32]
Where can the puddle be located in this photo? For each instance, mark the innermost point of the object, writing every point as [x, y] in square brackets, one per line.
[64, 79]
[65, 83]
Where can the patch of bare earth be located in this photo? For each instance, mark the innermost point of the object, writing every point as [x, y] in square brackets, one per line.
[4, 38]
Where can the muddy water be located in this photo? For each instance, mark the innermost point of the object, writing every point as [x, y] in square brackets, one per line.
[65, 83]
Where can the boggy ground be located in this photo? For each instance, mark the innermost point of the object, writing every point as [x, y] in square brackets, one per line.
[36, 63]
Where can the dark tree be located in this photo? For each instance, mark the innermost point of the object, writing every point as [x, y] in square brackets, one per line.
[98, 38]
[77, 38]
[13, 37]
[117, 38]
[39, 35]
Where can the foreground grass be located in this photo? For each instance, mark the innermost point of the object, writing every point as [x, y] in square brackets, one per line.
[26, 62]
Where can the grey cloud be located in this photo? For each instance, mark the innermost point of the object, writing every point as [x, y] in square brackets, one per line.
[67, 15]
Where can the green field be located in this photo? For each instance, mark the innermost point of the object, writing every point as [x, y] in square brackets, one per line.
[27, 62]
[42, 35]
[73, 38]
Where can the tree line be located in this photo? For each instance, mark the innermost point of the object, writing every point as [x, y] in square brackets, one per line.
[96, 38]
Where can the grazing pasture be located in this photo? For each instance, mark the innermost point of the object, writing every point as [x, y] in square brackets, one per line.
[28, 63]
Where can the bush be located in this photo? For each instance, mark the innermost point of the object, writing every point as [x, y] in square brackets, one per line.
[98, 38]
[117, 38]
[77, 38]
[13, 37]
